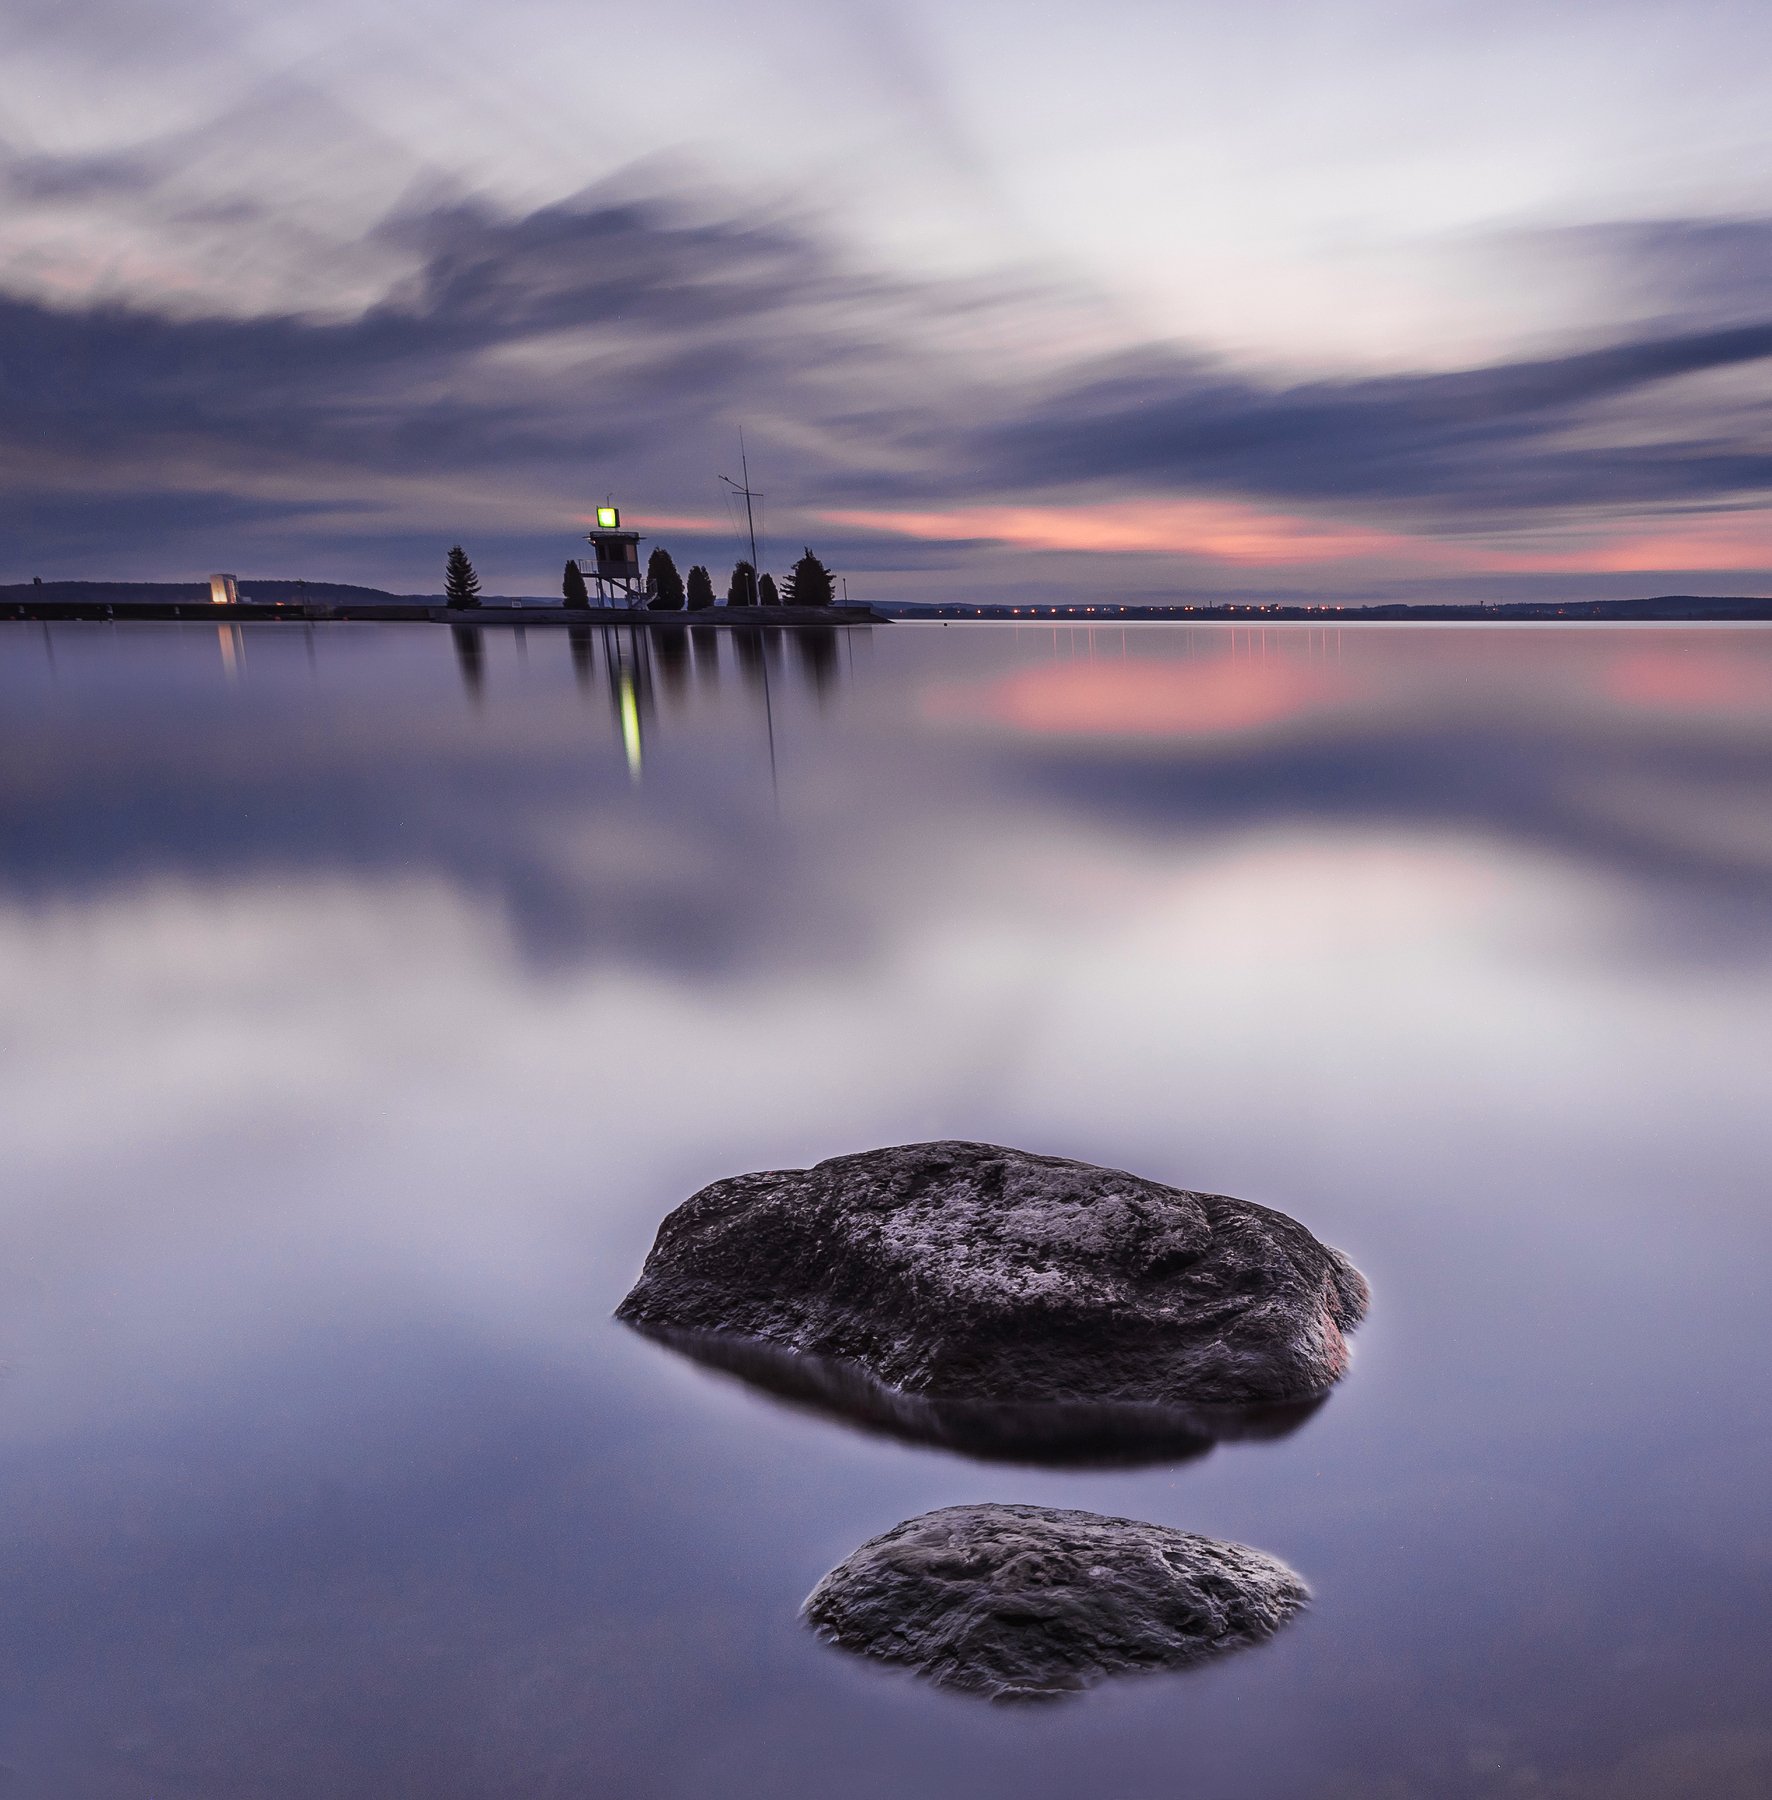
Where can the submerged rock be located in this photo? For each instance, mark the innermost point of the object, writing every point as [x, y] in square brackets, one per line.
[1028, 1602]
[961, 1271]
[1063, 1433]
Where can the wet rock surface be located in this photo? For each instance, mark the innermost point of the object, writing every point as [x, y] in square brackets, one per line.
[1031, 1602]
[962, 1271]
[1057, 1433]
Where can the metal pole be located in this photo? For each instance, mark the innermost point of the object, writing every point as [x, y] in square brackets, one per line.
[750, 518]
[744, 468]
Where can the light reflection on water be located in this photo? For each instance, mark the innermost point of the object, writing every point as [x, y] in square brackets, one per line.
[370, 993]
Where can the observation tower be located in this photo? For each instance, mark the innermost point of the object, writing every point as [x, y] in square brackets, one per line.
[614, 562]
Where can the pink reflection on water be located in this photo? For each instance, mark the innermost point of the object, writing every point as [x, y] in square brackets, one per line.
[1675, 679]
[1208, 699]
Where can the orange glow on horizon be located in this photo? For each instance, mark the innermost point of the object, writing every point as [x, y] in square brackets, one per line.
[1725, 542]
[1239, 533]
[1226, 530]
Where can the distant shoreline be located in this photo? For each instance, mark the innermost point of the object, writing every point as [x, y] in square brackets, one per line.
[1669, 608]
[270, 601]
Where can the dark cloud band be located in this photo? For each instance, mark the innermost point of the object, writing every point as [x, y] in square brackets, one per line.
[619, 336]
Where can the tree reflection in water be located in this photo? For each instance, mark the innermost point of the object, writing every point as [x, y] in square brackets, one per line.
[470, 658]
[704, 641]
[584, 655]
[670, 649]
[630, 664]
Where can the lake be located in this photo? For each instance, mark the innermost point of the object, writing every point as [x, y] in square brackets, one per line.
[371, 993]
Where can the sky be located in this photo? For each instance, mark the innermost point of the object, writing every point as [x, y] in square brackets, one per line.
[1131, 301]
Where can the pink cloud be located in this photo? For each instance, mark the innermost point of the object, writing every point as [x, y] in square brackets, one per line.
[1236, 532]
[1226, 530]
[1722, 541]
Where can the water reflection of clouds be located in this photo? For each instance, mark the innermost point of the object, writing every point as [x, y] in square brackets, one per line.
[1640, 753]
[353, 1041]
[324, 1268]
[191, 1070]
[771, 823]
[1223, 698]
[526, 793]
[1692, 682]
[1226, 681]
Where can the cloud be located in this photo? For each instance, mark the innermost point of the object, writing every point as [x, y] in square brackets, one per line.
[1233, 534]
[27, 179]
[1711, 270]
[1475, 440]
[517, 348]
[514, 363]
[1225, 530]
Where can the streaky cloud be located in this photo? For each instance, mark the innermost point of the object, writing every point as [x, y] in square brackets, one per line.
[622, 336]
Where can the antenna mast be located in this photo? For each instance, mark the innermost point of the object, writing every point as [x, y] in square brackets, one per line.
[744, 469]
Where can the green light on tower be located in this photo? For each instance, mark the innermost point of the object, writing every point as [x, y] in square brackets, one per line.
[608, 518]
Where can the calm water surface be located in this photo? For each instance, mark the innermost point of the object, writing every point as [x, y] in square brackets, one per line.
[369, 997]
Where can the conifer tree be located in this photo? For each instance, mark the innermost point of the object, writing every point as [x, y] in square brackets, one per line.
[701, 589]
[766, 594]
[461, 586]
[664, 586]
[572, 585]
[810, 584]
[742, 590]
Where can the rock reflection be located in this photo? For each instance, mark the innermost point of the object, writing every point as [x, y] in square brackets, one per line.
[1066, 1434]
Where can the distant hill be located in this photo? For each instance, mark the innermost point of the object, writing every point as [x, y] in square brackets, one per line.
[185, 593]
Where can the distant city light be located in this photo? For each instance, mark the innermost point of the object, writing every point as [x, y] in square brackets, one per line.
[608, 518]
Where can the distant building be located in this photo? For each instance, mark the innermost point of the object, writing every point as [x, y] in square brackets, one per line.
[223, 591]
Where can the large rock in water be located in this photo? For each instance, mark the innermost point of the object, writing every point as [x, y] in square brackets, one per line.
[966, 1271]
[1026, 1602]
